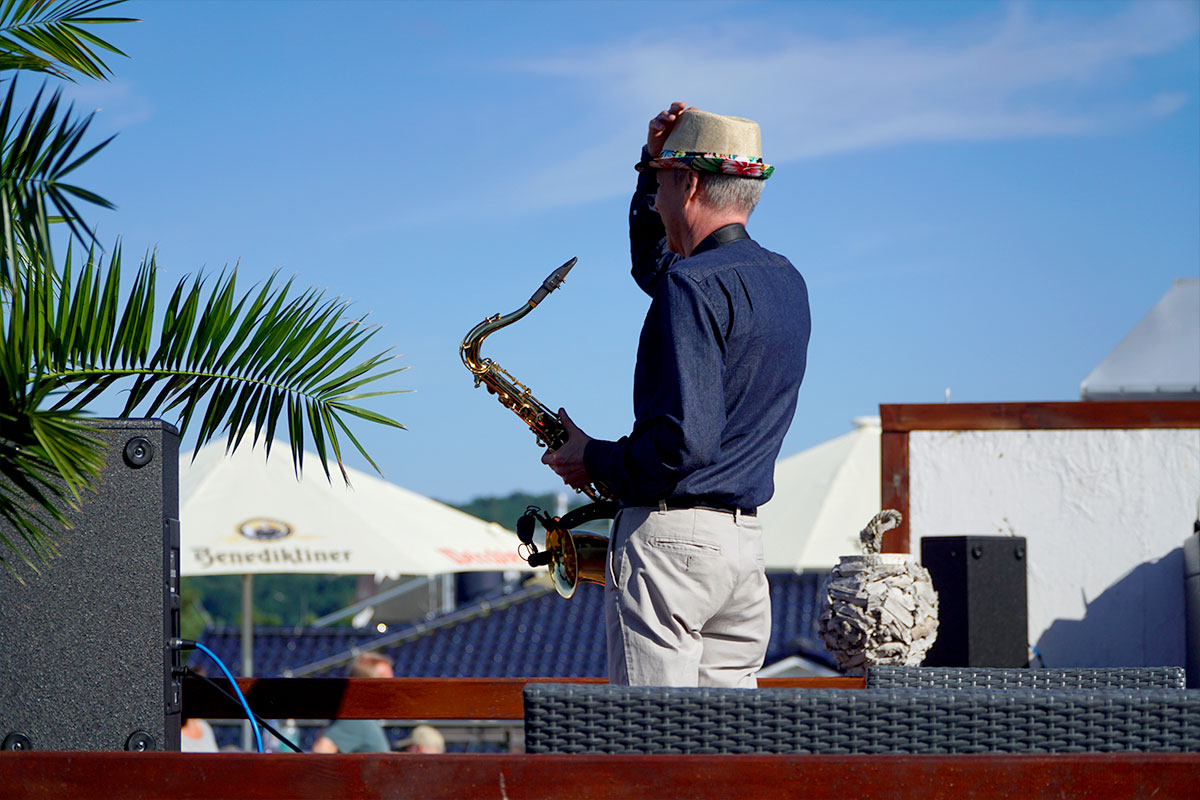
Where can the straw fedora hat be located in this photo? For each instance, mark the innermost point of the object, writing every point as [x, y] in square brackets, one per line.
[711, 142]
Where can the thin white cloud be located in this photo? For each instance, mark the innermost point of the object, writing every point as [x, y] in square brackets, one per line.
[1020, 74]
[117, 103]
[1167, 103]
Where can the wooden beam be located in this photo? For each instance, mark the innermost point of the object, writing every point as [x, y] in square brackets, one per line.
[141, 776]
[400, 698]
[1040, 416]
[893, 487]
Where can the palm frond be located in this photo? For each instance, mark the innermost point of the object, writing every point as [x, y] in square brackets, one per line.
[46, 457]
[220, 362]
[224, 365]
[48, 36]
[35, 490]
[38, 150]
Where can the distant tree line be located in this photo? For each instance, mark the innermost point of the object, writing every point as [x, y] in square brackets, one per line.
[507, 510]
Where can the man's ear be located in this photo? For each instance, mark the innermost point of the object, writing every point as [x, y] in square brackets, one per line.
[691, 185]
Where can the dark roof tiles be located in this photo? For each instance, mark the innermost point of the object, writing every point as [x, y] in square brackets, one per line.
[539, 634]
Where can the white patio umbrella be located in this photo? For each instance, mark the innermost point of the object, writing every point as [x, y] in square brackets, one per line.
[823, 497]
[243, 514]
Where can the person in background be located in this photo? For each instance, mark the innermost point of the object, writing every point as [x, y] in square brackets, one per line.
[426, 739]
[196, 735]
[359, 735]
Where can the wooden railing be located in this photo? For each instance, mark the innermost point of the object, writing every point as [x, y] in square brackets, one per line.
[102, 776]
[400, 698]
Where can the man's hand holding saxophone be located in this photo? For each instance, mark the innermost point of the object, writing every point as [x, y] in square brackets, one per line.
[567, 461]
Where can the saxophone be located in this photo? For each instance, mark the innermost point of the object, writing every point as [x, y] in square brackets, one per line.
[572, 557]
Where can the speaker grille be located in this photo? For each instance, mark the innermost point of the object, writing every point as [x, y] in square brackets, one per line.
[982, 603]
[84, 662]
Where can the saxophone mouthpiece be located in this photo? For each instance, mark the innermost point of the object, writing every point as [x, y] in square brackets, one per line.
[551, 283]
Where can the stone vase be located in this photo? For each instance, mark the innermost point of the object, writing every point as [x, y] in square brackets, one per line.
[879, 609]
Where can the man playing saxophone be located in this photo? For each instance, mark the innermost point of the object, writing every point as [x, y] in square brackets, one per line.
[720, 361]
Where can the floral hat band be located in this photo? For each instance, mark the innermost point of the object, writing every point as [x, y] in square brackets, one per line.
[745, 166]
[705, 141]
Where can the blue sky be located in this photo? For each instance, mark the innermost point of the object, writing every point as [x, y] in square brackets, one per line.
[982, 196]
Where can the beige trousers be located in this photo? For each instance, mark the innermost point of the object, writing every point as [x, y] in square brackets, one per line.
[686, 601]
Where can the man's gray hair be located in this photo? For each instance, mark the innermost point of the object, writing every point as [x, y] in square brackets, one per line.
[730, 191]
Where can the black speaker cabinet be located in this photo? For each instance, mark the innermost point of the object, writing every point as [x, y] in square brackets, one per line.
[983, 614]
[84, 656]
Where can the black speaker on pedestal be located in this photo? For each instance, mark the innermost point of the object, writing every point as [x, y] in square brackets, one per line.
[983, 614]
[85, 662]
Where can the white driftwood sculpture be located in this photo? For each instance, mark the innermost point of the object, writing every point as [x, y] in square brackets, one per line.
[880, 608]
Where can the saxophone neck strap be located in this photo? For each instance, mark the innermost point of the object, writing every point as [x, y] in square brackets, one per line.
[722, 236]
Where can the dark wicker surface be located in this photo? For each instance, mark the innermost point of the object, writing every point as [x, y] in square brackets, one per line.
[886, 677]
[619, 719]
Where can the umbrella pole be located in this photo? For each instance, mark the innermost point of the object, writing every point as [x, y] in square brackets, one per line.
[247, 649]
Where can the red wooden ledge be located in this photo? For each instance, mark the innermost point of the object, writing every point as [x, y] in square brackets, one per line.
[139, 776]
[1040, 416]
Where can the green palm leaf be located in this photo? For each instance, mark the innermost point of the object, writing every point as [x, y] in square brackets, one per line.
[47, 36]
[41, 147]
[46, 457]
[38, 150]
[221, 364]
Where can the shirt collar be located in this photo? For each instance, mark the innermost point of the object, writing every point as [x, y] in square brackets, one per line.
[721, 237]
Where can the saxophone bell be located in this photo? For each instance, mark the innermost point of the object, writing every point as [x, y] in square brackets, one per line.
[573, 557]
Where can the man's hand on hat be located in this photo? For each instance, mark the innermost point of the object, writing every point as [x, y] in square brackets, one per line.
[567, 461]
[661, 126]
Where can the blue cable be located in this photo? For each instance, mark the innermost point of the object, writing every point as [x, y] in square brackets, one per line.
[1038, 655]
[249, 714]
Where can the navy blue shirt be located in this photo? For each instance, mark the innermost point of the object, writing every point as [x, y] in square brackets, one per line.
[720, 361]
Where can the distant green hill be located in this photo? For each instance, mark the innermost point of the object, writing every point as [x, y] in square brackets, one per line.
[506, 510]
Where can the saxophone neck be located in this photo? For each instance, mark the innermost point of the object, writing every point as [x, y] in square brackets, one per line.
[469, 349]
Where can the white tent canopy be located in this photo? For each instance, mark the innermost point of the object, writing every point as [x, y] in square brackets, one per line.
[823, 498]
[1160, 358]
[244, 514]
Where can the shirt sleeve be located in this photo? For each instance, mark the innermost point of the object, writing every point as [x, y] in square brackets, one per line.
[647, 238]
[680, 416]
[342, 736]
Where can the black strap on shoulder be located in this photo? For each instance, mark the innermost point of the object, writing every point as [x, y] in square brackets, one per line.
[721, 237]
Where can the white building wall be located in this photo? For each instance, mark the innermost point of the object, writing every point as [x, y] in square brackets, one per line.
[1105, 514]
